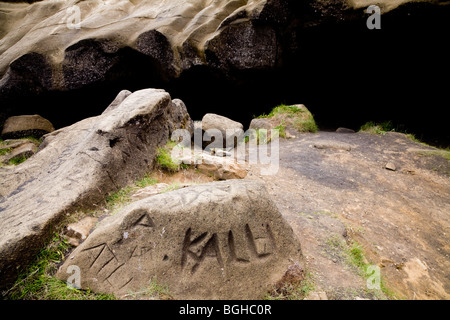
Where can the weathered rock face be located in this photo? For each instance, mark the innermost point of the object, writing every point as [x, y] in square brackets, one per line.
[26, 125]
[179, 116]
[23, 151]
[76, 167]
[222, 240]
[221, 132]
[79, 231]
[262, 51]
[221, 168]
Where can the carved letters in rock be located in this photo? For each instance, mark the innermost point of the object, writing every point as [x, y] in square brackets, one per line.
[234, 247]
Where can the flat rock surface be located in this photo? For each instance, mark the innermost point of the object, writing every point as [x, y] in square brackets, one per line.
[401, 218]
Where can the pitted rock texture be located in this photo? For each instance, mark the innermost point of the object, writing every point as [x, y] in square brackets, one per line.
[44, 40]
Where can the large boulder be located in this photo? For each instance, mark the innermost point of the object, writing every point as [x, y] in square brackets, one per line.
[76, 167]
[221, 132]
[221, 240]
[26, 125]
[179, 116]
[219, 167]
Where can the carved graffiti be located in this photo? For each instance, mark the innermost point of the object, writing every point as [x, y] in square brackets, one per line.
[206, 245]
[238, 247]
[145, 221]
[106, 265]
[198, 254]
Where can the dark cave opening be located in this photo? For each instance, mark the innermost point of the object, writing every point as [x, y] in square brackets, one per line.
[344, 73]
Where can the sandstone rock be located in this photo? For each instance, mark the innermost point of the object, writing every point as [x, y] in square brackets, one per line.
[293, 277]
[269, 124]
[13, 143]
[221, 168]
[77, 232]
[26, 125]
[262, 123]
[221, 240]
[332, 145]
[149, 191]
[214, 125]
[77, 166]
[122, 95]
[179, 116]
[290, 136]
[82, 228]
[391, 166]
[25, 150]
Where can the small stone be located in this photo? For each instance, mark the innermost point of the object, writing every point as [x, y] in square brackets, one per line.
[344, 130]
[261, 123]
[72, 241]
[223, 131]
[26, 125]
[289, 136]
[391, 166]
[81, 229]
[25, 150]
[221, 168]
[332, 145]
[220, 152]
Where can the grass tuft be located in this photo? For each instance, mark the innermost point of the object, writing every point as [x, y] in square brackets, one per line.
[146, 181]
[154, 290]
[281, 131]
[308, 125]
[5, 151]
[37, 281]
[164, 159]
[282, 109]
[290, 291]
[117, 200]
[298, 117]
[17, 160]
[352, 254]
[377, 128]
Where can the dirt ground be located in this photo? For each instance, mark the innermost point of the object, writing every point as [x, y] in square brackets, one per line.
[333, 187]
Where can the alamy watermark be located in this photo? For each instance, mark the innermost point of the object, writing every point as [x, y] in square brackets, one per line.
[374, 20]
[72, 18]
[374, 279]
[74, 280]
